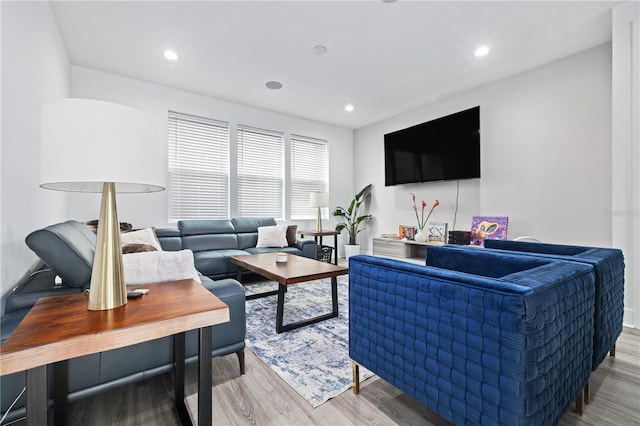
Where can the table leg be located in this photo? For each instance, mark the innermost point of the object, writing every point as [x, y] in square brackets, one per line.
[282, 289]
[204, 378]
[280, 310]
[335, 247]
[37, 396]
[179, 343]
[60, 392]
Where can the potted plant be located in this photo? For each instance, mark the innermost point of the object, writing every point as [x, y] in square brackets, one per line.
[351, 221]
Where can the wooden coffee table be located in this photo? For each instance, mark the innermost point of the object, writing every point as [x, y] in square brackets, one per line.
[296, 270]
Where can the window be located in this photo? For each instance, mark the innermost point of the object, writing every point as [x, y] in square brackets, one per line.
[309, 173]
[198, 168]
[260, 173]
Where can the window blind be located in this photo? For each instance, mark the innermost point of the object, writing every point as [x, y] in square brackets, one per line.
[260, 173]
[198, 167]
[309, 173]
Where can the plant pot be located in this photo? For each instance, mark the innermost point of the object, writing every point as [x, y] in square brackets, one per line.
[351, 250]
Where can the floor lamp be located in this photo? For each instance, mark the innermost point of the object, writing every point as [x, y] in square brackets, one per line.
[102, 147]
[318, 200]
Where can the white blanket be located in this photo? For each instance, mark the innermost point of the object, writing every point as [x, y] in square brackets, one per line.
[158, 266]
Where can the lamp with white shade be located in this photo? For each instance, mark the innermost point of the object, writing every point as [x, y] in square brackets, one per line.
[318, 200]
[101, 147]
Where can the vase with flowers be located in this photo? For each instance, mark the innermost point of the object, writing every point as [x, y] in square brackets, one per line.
[421, 235]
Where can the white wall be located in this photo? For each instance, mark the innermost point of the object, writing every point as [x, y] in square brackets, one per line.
[35, 66]
[626, 150]
[546, 156]
[151, 209]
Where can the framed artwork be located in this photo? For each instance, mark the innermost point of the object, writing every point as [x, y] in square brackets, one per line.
[437, 232]
[407, 232]
[488, 228]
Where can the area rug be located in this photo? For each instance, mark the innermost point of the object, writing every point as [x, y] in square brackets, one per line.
[313, 360]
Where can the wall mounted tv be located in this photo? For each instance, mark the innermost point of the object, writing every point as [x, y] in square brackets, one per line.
[447, 148]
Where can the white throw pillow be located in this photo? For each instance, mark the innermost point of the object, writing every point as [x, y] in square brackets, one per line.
[143, 236]
[272, 236]
[158, 266]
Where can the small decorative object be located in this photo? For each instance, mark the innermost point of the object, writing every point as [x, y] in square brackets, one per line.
[407, 232]
[422, 234]
[437, 232]
[281, 257]
[488, 228]
[462, 238]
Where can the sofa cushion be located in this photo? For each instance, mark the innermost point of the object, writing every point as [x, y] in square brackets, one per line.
[137, 248]
[169, 238]
[272, 236]
[142, 236]
[292, 235]
[208, 242]
[259, 250]
[158, 266]
[247, 229]
[210, 226]
[68, 248]
[216, 263]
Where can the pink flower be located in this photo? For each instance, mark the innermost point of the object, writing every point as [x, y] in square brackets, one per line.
[421, 220]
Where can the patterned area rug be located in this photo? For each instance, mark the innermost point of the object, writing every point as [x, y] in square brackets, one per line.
[313, 360]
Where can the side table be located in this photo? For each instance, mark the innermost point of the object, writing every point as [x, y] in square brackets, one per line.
[61, 327]
[317, 236]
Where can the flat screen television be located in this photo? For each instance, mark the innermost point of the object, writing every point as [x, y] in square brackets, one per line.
[447, 148]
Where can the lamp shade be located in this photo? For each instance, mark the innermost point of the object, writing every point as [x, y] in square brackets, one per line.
[318, 199]
[86, 142]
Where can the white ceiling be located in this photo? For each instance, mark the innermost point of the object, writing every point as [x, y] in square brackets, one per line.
[384, 58]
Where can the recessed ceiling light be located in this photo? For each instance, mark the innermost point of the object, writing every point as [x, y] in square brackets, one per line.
[273, 85]
[482, 51]
[348, 108]
[170, 55]
[319, 50]
[389, 1]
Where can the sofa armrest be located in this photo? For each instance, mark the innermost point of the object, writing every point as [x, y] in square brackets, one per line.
[230, 292]
[309, 248]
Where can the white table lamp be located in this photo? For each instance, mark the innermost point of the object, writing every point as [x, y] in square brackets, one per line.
[318, 200]
[95, 146]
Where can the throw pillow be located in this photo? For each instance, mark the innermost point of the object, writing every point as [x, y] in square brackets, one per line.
[292, 235]
[137, 248]
[158, 266]
[143, 236]
[272, 236]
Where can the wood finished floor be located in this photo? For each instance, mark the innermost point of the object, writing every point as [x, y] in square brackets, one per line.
[260, 397]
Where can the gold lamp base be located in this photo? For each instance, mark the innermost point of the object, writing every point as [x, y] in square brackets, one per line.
[319, 222]
[108, 288]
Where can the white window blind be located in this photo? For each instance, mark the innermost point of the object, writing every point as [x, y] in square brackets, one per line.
[309, 173]
[198, 167]
[260, 173]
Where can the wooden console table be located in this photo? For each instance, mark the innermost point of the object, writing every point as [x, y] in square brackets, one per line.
[61, 327]
[404, 249]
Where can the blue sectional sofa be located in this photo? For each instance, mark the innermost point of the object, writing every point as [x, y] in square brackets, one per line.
[214, 241]
[477, 337]
[608, 265]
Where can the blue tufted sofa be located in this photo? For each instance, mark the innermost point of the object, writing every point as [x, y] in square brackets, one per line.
[214, 241]
[608, 265]
[67, 249]
[477, 337]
